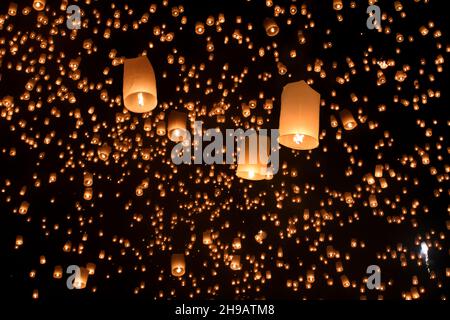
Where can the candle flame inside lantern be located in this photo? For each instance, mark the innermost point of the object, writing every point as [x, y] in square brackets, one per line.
[298, 138]
[140, 99]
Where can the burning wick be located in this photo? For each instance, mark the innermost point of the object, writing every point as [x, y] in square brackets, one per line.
[140, 99]
[298, 138]
[251, 174]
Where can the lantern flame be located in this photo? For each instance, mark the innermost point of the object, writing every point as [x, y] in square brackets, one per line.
[298, 138]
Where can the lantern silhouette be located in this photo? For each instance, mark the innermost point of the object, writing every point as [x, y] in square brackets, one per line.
[253, 158]
[299, 116]
[177, 126]
[139, 85]
[178, 264]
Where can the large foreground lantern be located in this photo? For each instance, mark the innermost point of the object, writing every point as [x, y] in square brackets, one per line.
[139, 85]
[299, 116]
[253, 158]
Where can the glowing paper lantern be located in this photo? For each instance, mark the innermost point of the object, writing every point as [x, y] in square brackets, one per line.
[347, 119]
[310, 276]
[177, 126]
[178, 264]
[337, 4]
[103, 152]
[253, 158]
[38, 5]
[139, 85]
[161, 128]
[88, 179]
[236, 243]
[90, 268]
[57, 272]
[235, 262]
[299, 116]
[81, 279]
[207, 237]
[271, 27]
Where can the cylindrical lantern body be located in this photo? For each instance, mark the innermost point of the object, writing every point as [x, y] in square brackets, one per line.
[176, 126]
[345, 281]
[178, 264]
[253, 158]
[139, 85]
[347, 119]
[161, 128]
[39, 5]
[81, 279]
[57, 272]
[207, 237]
[88, 179]
[104, 151]
[271, 27]
[235, 262]
[299, 116]
[237, 243]
[337, 4]
[90, 268]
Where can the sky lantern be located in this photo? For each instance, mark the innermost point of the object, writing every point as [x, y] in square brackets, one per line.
[299, 116]
[178, 264]
[139, 85]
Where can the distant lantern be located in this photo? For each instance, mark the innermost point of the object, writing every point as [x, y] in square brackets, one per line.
[39, 5]
[373, 203]
[235, 263]
[253, 158]
[178, 264]
[176, 126]
[81, 279]
[88, 179]
[207, 237]
[199, 28]
[139, 85]
[347, 119]
[161, 128]
[87, 194]
[310, 278]
[337, 4]
[237, 243]
[19, 240]
[104, 151]
[299, 116]
[345, 281]
[148, 125]
[24, 207]
[90, 268]
[271, 27]
[57, 272]
[12, 10]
